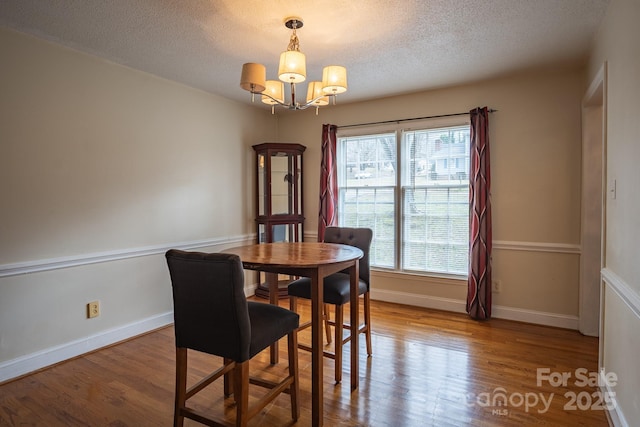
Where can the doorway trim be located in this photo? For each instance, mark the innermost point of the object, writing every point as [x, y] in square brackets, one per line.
[593, 204]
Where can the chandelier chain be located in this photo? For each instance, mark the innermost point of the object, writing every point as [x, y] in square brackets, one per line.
[294, 42]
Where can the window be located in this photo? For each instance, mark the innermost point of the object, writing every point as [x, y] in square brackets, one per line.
[411, 187]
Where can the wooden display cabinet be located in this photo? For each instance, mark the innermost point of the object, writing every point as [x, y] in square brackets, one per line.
[279, 201]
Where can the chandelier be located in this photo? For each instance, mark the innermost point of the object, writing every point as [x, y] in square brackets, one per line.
[293, 70]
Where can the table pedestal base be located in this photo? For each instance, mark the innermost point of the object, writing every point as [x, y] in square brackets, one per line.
[262, 291]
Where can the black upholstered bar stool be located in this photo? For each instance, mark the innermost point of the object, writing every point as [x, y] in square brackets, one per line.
[337, 292]
[212, 315]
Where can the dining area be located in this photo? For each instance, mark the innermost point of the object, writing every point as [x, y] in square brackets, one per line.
[422, 373]
[332, 272]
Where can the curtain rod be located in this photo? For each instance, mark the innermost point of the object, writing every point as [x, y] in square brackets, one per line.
[408, 120]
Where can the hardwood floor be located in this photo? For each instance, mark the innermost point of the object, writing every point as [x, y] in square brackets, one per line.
[429, 368]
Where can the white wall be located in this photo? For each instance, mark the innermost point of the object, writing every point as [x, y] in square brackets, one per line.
[617, 44]
[535, 165]
[103, 168]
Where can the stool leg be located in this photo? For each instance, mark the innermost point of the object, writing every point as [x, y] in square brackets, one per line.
[294, 389]
[228, 381]
[367, 322]
[241, 392]
[338, 347]
[326, 323]
[181, 386]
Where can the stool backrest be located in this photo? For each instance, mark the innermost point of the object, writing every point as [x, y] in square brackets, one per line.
[360, 238]
[209, 305]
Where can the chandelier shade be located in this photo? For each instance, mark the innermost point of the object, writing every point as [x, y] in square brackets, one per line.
[334, 79]
[292, 69]
[275, 90]
[253, 77]
[315, 95]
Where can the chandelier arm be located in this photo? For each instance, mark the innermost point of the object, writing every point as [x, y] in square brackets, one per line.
[273, 99]
[309, 103]
[293, 105]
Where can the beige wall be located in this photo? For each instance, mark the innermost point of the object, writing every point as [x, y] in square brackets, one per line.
[535, 154]
[617, 45]
[106, 167]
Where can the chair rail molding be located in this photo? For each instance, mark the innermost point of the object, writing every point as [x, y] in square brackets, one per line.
[511, 245]
[624, 291]
[564, 248]
[35, 266]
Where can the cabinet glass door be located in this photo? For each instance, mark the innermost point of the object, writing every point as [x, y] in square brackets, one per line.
[279, 183]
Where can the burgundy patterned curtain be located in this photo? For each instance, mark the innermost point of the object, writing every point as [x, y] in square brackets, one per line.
[328, 181]
[479, 282]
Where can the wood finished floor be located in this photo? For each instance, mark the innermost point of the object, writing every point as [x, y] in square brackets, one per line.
[429, 368]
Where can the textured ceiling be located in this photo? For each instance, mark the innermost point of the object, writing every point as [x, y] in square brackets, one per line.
[388, 47]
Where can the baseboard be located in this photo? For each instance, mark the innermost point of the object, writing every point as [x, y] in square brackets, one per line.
[250, 290]
[536, 317]
[459, 306]
[614, 414]
[32, 362]
[426, 301]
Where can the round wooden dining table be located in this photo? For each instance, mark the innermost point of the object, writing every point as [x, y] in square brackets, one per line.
[314, 260]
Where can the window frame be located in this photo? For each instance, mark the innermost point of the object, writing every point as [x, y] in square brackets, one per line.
[398, 129]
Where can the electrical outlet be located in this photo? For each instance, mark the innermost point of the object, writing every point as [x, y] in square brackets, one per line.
[93, 309]
[496, 286]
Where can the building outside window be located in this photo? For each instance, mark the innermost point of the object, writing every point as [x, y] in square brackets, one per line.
[411, 186]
